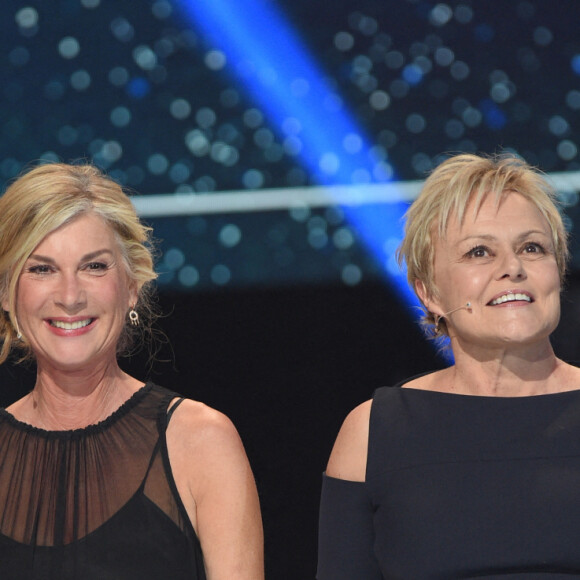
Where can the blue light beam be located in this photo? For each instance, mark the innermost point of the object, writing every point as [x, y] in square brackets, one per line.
[274, 68]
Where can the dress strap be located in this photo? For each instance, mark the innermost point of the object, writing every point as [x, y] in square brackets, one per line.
[171, 410]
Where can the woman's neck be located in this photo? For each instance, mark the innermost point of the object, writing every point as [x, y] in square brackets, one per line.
[510, 372]
[64, 401]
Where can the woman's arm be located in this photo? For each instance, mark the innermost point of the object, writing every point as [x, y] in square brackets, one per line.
[345, 533]
[216, 484]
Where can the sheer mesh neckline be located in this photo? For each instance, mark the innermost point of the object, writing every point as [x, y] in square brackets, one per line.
[120, 412]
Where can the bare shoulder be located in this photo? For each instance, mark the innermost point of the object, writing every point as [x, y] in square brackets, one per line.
[215, 482]
[348, 459]
[196, 426]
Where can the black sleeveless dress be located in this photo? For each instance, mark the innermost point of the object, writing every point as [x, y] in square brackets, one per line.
[459, 486]
[98, 503]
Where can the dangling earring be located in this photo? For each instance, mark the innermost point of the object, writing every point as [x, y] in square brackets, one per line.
[436, 327]
[17, 328]
[134, 317]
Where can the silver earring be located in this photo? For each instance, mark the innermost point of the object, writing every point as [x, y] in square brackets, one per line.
[134, 317]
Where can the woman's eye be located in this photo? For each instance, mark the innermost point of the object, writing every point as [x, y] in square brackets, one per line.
[39, 269]
[533, 248]
[96, 266]
[477, 252]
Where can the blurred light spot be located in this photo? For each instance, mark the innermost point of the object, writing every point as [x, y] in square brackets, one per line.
[138, 88]
[230, 235]
[463, 14]
[157, 164]
[352, 143]
[188, 276]
[253, 118]
[415, 123]
[543, 36]
[454, 129]
[111, 151]
[27, 17]
[299, 213]
[215, 60]
[144, 57]
[120, 116]
[118, 76]
[343, 238]
[394, 59]
[291, 126]
[379, 100]
[444, 56]
[351, 275]
[67, 135]
[471, 116]
[500, 92]
[19, 56]
[220, 275]
[263, 138]
[567, 150]
[179, 173]
[573, 99]
[317, 238]
[174, 258]
[180, 109]
[161, 9]
[440, 15]
[292, 145]
[412, 74]
[253, 179]
[69, 47]
[334, 215]
[205, 117]
[122, 29]
[329, 163]
[80, 80]
[197, 143]
[343, 41]
[459, 70]
[558, 125]
[229, 98]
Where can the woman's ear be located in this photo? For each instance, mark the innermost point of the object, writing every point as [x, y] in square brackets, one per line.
[134, 288]
[427, 298]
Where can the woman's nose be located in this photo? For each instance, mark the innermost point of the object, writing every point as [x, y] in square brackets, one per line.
[70, 293]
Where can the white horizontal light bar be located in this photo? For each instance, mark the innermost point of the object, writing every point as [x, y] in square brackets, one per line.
[176, 204]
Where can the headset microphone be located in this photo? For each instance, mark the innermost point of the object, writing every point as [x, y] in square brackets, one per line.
[467, 305]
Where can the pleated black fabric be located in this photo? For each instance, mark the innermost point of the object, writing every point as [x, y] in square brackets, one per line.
[459, 487]
[95, 503]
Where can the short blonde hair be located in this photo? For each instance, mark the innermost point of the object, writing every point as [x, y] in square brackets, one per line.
[448, 191]
[44, 199]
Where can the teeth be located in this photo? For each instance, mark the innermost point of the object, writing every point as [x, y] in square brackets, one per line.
[511, 298]
[70, 325]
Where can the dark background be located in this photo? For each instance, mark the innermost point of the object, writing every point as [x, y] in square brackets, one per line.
[268, 330]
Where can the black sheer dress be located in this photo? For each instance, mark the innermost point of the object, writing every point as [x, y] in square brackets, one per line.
[95, 503]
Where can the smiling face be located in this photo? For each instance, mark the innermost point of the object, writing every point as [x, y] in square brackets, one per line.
[73, 295]
[502, 262]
